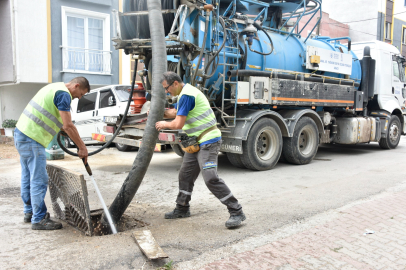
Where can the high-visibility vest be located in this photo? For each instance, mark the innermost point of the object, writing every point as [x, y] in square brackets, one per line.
[201, 117]
[40, 119]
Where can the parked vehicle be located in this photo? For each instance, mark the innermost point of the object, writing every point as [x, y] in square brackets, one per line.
[275, 93]
[88, 112]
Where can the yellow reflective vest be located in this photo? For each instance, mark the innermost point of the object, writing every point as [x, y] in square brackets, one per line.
[40, 119]
[201, 117]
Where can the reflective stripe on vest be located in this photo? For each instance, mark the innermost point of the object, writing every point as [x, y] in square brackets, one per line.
[199, 117]
[39, 122]
[201, 127]
[46, 113]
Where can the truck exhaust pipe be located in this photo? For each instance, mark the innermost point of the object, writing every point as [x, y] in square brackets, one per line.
[368, 75]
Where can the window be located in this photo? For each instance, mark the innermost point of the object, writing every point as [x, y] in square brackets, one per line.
[85, 41]
[388, 30]
[123, 92]
[401, 72]
[107, 99]
[87, 103]
[395, 69]
[404, 35]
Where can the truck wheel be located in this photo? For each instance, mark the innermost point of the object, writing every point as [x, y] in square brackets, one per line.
[123, 147]
[263, 146]
[302, 147]
[392, 135]
[177, 149]
[235, 160]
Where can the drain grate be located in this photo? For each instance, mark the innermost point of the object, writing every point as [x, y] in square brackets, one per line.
[68, 192]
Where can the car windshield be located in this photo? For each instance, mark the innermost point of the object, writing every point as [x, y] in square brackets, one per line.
[123, 92]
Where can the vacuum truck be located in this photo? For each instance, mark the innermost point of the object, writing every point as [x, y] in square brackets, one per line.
[276, 92]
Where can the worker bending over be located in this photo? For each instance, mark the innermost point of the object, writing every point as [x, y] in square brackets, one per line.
[45, 115]
[197, 119]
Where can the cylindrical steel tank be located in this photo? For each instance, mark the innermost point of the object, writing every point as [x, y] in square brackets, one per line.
[288, 54]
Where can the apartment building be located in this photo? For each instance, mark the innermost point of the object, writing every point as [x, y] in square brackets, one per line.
[45, 41]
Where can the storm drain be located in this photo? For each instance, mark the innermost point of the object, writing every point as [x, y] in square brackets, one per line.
[68, 192]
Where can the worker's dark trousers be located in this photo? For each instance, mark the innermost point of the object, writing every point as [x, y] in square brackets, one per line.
[204, 161]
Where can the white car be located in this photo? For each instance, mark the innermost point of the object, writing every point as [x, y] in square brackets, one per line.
[88, 112]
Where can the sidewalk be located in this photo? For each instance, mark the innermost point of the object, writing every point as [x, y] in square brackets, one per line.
[340, 243]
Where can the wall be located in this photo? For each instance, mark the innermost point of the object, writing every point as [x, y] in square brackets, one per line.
[328, 27]
[31, 35]
[360, 15]
[105, 6]
[14, 98]
[399, 23]
[7, 72]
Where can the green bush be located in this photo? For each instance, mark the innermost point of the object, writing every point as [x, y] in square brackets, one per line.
[9, 123]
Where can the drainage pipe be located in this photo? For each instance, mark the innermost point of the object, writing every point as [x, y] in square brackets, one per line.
[141, 163]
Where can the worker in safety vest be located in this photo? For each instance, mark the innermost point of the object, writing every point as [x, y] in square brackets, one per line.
[196, 118]
[43, 117]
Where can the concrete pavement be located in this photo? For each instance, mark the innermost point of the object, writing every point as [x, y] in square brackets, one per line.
[280, 204]
[365, 235]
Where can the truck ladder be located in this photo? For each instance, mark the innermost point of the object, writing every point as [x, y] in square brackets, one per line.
[229, 121]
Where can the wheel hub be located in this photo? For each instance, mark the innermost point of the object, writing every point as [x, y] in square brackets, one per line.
[307, 140]
[265, 148]
[393, 133]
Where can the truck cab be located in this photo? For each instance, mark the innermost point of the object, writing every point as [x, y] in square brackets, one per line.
[389, 89]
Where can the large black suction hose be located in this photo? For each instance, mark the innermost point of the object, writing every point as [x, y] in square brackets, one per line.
[58, 138]
[270, 40]
[141, 163]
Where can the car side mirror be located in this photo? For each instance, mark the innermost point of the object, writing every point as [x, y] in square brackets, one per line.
[112, 101]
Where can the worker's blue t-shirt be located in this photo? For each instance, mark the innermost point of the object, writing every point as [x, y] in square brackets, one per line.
[186, 104]
[62, 101]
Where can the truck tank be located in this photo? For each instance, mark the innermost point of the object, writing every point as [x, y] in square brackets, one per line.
[288, 54]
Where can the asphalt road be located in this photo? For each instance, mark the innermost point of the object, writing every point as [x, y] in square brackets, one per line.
[282, 197]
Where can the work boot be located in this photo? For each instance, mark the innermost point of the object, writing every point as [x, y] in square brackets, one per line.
[46, 224]
[235, 220]
[27, 217]
[177, 213]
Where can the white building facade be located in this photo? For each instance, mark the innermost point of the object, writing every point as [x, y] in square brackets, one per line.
[45, 41]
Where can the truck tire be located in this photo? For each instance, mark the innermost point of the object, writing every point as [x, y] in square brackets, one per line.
[178, 150]
[392, 135]
[302, 147]
[263, 146]
[235, 160]
[123, 147]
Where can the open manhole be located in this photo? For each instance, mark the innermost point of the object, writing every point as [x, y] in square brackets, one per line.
[125, 223]
[69, 195]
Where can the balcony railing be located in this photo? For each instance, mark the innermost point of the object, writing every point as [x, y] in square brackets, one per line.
[86, 60]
